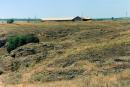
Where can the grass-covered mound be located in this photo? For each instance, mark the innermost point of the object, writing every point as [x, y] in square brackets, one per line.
[92, 54]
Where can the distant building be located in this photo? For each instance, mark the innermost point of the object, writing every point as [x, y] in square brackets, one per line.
[66, 19]
[81, 18]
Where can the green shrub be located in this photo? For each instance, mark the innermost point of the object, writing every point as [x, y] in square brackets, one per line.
[19, 40]
[10, 21]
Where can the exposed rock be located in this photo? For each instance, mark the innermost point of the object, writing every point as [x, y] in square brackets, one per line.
[22, 52]
[33, 48]
[2, 42]
[57, 34]
[28, 61]
[33, 53]
[115, 69]
[119, 60]
[47, 76]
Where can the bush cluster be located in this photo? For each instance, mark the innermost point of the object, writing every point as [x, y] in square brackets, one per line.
[16, 41]
[10, 21]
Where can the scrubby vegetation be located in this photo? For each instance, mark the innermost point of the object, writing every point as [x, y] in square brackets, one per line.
[16, 41]
[69, 54]
[46, 76]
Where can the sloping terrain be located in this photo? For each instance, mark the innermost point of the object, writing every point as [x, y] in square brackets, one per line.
[69, 54]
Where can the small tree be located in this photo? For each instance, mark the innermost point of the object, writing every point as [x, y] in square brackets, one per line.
[112, 18]
[28, 20]
[10, 21]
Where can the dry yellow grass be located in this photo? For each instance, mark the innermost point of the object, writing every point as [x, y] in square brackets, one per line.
[117, 34]
[89, 81]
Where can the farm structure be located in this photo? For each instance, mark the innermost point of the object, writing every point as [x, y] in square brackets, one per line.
[66, 19]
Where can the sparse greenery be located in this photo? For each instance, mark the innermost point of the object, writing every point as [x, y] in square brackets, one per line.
[15, 41]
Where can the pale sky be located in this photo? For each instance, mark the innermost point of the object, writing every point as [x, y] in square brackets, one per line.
[63, 8]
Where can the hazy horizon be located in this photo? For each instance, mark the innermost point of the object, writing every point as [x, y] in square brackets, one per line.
[64, 8]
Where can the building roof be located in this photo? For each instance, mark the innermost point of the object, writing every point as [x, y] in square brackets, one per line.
[64, 18]
[51, 19]
[86, 18]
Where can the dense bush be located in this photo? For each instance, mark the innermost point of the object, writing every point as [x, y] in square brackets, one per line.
[10, 21]
[19, 40]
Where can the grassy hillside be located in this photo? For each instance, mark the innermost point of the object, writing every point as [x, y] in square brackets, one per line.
[69, 54]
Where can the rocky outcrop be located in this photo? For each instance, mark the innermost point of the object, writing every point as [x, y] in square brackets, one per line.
[34, 53]
[35, 48]
[21, 52]
[2, 42]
